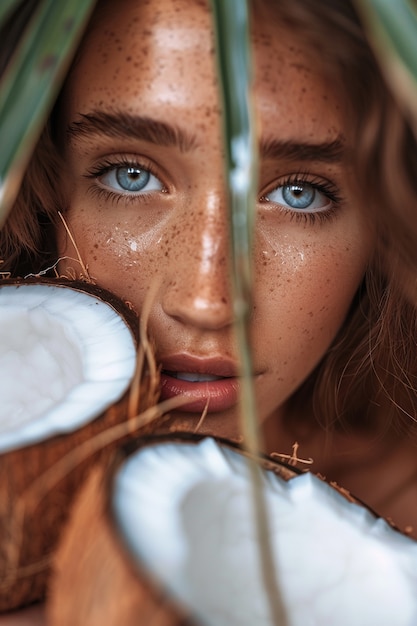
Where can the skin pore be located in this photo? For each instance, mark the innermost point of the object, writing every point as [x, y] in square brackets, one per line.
[146, 205]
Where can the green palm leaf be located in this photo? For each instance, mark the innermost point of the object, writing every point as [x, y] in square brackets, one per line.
[30, 83]
[233, 53]
[392, 30]
[6, 8]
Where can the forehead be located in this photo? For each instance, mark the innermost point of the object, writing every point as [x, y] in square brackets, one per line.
[156, 46]
[159, 55]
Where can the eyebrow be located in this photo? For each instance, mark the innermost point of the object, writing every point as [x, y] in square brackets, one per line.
[126, 126]
[333, 151]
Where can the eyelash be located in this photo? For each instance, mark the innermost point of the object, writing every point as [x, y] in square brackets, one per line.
[108, 165]
[326, 187]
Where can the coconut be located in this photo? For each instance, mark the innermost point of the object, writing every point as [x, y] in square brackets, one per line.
[68, 359]
[174, 518]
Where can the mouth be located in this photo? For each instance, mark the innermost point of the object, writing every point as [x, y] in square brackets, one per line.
[211, 383]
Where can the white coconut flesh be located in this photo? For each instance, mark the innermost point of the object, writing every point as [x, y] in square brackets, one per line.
[65, 356]
[185, 512]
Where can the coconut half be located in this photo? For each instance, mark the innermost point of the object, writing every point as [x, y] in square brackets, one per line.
[186, 513]
[177, 515]
[67, 359]
[66, 355]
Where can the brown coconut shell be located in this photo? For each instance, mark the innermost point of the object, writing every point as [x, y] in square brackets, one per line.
[38, 482]
[96, 581]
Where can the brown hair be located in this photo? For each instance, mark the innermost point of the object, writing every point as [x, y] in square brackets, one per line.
[368, 378]
[371, 368]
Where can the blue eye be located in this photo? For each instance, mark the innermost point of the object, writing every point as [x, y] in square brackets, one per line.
[130, 179]
[300, 196]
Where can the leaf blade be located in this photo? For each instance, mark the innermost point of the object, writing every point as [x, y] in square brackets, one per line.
[392, 31]
[30, 84]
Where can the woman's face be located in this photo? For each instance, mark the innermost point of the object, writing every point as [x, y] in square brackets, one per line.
[147, 203]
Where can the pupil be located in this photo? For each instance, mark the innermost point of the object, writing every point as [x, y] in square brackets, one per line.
[135, 174]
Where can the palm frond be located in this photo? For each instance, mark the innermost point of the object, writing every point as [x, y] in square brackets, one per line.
[31, 82]
[231, 21]
[392, 30]
[6, 8]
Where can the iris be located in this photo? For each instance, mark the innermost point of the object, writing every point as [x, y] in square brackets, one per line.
[299, 196]
[132, 178]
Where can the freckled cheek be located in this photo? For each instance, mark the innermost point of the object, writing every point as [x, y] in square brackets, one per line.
[303, 293]
[118, 255]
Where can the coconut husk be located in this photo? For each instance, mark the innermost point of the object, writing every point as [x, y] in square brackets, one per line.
[96, 580]
[38, 482]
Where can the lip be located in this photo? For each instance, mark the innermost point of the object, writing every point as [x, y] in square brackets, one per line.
[221, 394]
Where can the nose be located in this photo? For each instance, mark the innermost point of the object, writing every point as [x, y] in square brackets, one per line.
[198, 293]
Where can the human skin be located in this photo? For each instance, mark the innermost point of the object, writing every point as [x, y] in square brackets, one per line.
[307, 267]
[155, 60]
